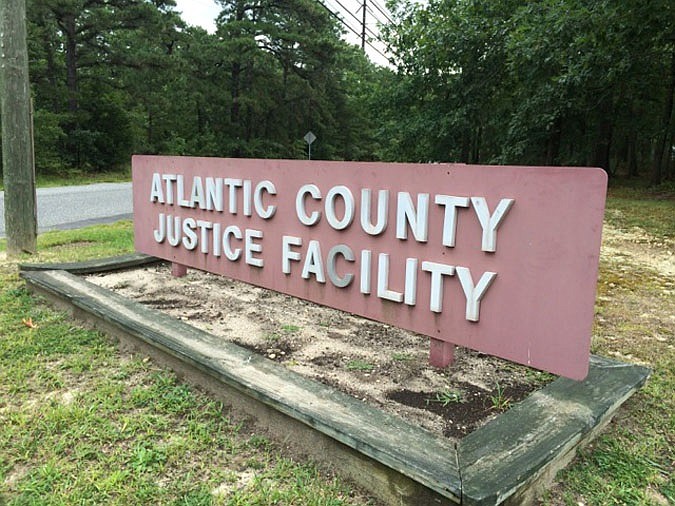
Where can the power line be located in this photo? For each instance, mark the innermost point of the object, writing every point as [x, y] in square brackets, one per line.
[372, 34]
[336, 16]
[384, 13]
[348, 11]
[373, 15]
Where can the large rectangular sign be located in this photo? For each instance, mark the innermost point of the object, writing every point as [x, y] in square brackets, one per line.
[499, 259]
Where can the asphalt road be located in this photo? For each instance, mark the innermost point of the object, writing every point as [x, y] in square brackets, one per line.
[71, 207]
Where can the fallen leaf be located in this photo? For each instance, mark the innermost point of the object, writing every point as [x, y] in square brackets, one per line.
[28, 322]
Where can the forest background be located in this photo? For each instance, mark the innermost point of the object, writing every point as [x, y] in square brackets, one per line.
[573, 82]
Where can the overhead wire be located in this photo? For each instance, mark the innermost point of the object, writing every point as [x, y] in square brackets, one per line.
[354, 31]
[383, 12]
[368, 29]
[374, 36]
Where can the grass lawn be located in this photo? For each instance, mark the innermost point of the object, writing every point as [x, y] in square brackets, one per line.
[76, 177]
[81, 423]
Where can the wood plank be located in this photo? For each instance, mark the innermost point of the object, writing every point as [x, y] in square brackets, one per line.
[107, 264]
[508, 456]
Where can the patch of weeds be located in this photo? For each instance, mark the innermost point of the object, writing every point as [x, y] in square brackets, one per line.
[272, 338]
[611, 472]
[147, 458]
[360, 365]
[286, 482]
[539, 377]
[258, 441]
[290, 328]
[499, 401]
[447, 397]
[402, 357]
[668, 491]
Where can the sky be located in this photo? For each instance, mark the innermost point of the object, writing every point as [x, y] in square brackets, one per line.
[203, 13]
[199, 13]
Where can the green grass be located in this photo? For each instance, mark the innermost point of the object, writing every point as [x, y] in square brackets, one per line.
[446, 397]
[290, 329]
[651, 210]
[81, 423]
[77, 177]
[359, 365]
[74, 245]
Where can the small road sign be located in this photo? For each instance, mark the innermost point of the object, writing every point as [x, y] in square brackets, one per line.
[309, 139]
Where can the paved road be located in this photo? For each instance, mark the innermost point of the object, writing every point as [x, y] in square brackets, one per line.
[71, 207]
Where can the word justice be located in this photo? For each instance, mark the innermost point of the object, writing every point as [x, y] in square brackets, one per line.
[339, 206]
[233, 243]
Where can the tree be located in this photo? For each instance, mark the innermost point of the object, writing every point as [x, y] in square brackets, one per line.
[85, 48]
[113, 77]
[576, 82]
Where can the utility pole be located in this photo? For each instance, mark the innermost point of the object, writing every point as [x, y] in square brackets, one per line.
[363, 26]
[17, 145]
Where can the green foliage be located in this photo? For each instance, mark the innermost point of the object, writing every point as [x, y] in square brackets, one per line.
[559, 83]
[446, 397]
[499, 401]
[290, 328]
[360, 365]
[49, 138]
[123, 76]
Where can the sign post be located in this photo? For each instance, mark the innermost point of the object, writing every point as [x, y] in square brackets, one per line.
[502, 260]
[309, 139]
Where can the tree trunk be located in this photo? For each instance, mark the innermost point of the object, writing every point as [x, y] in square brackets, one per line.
[632, 156]
[51, 70]
[603, 146]
[657, 172]
[475, 152]
[670, 164]
[17, 152]
[553, 147]
[235, 113]
[70, 31]
[466, 148]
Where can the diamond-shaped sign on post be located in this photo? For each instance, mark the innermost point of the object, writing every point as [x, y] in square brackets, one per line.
[309, 139]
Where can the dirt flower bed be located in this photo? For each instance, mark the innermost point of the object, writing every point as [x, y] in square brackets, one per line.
[377, 363]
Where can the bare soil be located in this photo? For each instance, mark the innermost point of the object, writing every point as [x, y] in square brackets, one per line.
[377, 363]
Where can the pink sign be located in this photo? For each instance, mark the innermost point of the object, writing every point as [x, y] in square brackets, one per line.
[499, 259]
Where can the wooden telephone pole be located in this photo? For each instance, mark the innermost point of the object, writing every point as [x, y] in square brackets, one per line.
[17, 146]
[363, 26]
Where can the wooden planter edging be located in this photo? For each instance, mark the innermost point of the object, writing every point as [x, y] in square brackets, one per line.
[107, 264]
[507, 461]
